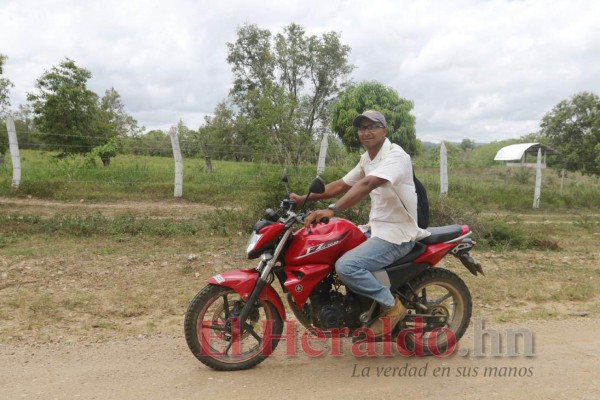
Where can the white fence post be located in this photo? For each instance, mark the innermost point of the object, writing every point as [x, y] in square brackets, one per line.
[178, 162]
[14, 152]
[538, 180]
[443, 170]
[323, 153]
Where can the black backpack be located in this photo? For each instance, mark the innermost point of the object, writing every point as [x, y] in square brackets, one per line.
[422, 203]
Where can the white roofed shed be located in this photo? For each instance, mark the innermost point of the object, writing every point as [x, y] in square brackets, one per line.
[519, 152]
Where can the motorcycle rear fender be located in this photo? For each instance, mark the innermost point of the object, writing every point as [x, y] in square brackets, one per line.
[243, 281]
[434, 253]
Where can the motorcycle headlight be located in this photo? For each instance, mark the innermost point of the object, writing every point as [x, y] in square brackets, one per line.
[254, 238]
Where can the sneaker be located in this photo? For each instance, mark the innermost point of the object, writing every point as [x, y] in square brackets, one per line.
[393, 315]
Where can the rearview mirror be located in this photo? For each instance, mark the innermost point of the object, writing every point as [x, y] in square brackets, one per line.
[317, 185]
[284, 177]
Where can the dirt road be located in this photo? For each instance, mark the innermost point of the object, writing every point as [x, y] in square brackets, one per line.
[566, 365]
[75, 302]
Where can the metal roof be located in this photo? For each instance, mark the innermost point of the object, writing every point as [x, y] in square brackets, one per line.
[516, 151]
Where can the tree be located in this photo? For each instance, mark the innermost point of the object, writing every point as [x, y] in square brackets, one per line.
[5, 85]
[221, 136]
[122, 123]
[573, 128]
[106, 151]
[374, 95]
[24, 125]
[467, 145]
[156, 143]
[283, 86]
[3, 141]
[66, 112]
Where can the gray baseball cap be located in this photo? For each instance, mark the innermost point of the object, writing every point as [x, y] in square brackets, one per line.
[371, 115]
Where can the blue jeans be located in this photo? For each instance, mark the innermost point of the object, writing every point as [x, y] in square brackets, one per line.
[356, 266]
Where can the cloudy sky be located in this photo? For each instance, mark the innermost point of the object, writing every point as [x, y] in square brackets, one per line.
[483, 70]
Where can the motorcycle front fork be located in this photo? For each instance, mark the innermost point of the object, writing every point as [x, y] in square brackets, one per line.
[260, 284]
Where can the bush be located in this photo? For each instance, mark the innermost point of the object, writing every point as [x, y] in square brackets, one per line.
[502, 236]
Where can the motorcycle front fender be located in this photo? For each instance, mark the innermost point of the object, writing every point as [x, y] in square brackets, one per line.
[243, 281]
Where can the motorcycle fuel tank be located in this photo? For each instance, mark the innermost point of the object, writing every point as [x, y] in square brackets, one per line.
[324, 244]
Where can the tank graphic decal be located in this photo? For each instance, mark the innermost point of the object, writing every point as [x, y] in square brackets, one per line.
[323, 246]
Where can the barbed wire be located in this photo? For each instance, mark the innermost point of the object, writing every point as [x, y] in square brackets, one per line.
[193, 149]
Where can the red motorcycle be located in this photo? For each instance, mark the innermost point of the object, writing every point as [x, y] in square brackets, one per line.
[236, 321]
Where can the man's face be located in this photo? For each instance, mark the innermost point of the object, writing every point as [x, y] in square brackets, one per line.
[371, 134]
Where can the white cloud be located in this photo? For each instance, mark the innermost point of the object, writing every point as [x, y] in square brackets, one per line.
[485, 70]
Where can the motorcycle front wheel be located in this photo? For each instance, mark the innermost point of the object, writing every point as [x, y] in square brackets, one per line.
[212, 329]
[439, 312]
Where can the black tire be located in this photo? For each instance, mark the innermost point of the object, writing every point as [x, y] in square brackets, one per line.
[208, 322]
[446, 295]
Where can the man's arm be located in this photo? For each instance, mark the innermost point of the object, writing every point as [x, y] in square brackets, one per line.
[332, 189]
[359, 191]
[354, 195]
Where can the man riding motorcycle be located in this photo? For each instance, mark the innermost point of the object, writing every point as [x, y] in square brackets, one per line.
[384, 172]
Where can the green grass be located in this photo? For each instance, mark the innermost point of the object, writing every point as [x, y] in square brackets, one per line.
[240, 183]
[145, 177]
[484, 197]
[99, 275]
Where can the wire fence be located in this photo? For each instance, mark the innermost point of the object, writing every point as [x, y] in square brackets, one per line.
[146, 171]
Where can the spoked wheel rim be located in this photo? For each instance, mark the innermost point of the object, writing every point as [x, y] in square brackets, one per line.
[439, 327]
[218, 328]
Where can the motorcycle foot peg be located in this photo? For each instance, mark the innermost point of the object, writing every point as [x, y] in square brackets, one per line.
[368, 315]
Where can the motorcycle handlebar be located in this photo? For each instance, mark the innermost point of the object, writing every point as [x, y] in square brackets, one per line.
[323, 220]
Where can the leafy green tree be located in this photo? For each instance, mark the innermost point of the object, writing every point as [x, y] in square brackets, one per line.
[120, 122]
[66, 112]
[3, 141]
[155, 143]
[573, 128]
[222, 137]
[283, 86]
[114, 122]
[192, 143]
[26, 131]
[106, 151]
[375, 96]
[467, 144]
[5, 85]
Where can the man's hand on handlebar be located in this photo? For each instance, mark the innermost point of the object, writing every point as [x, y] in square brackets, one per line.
[297, 198]
[317, 216]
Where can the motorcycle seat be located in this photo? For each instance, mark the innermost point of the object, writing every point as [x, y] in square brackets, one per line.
[441, 234]
[414, 253]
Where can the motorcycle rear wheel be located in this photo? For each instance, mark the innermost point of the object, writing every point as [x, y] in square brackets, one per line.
[446, 296]
[210, 329]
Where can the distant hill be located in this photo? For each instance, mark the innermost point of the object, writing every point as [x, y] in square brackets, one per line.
[481, 156]
[429, 145]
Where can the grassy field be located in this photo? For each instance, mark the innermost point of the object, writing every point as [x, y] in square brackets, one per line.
[94, 253]
[145, 177]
